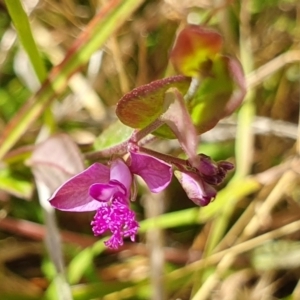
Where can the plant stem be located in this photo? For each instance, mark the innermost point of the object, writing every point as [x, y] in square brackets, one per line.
[139, 134]
[178, 162]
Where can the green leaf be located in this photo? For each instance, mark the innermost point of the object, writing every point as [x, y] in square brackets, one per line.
[84, 260]
[220, 92]
[145, 104]
[15, 186]
[218, 95]
[103, 289]
[113, 135]
[195, 48]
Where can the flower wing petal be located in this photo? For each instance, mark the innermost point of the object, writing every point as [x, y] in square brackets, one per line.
[103, 191]
[200, 192]
[120, 172]
[74, 195]
[156, 173]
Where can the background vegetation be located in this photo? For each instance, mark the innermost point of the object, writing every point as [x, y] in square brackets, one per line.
[64, 65]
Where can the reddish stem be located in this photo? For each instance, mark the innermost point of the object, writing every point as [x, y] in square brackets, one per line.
[140, 134]
[122, 148]
[180, 163]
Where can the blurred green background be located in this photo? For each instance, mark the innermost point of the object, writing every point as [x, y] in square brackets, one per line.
[63, 67]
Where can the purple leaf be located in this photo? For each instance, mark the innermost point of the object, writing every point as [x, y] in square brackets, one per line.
[56, 160]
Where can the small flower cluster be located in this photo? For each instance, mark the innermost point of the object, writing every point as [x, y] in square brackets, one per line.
[199, 182]
[107, 190]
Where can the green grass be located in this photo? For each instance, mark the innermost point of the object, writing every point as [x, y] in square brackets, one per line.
[243, 245]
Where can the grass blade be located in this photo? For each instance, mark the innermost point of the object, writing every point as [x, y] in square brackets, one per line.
[108, 20]
[22, 26]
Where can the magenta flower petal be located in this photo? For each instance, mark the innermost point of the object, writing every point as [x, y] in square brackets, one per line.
[120, 172]
[117, 218]
[74, 194]
[213, 172]
[206, 166]
[200, 192]
[105, 192]
[156, 173]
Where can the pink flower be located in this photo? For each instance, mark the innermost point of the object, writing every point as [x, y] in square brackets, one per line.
[199, 191]
[199, 182]
[213, 172]
[107, 191]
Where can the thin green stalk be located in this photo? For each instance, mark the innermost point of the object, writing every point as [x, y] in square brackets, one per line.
[244, 136]
[22, 26]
